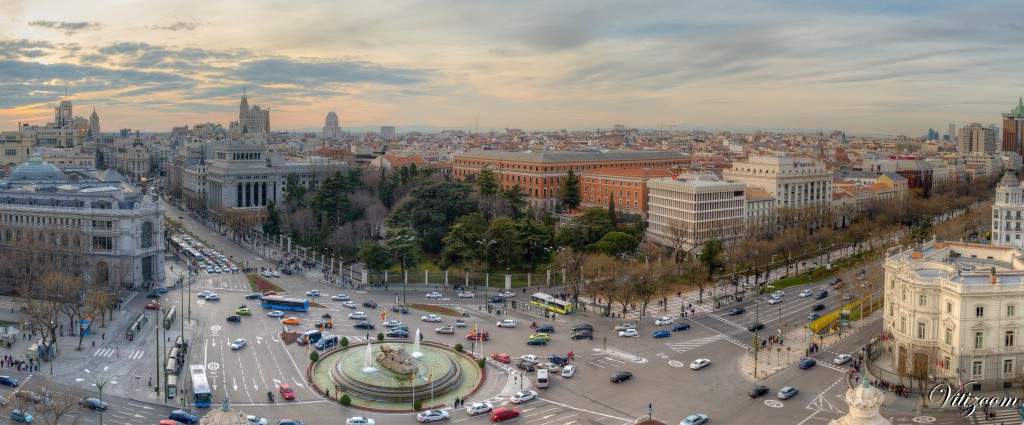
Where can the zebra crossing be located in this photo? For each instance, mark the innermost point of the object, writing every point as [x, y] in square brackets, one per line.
[684, 346]
[109, 352]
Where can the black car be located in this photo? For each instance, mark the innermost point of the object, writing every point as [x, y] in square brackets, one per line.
[183, 416]
[807, 363]
[8, 381]
[821, 294]
[755, 327]
[817, 307]
[397, 333]
[363, 325]
[525, 366]
[621, 376]
[329, 324]
[254, 296]
[496, 299]
[152, 295]
[92, 404]
[286, 271]
[758, 391]
[546, 329]
[579, 328]
[583, 335]
[737, 311]
[400, 309]
[234, 318]
[681, 326]
[370, 304]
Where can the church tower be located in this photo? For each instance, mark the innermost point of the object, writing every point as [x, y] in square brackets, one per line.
[243, 109]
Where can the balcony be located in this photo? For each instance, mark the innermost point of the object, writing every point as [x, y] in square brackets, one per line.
[978, 352]
[1012, 349]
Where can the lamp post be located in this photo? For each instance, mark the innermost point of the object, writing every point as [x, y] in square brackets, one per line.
[757, 341]
[404, 240]
[99, 382]
[487, 277]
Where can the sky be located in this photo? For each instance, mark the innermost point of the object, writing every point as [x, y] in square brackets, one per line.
[866, 67]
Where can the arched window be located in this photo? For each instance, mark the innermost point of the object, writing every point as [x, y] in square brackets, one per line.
[147, 235]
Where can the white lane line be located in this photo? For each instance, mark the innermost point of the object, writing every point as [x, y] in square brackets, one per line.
[585, 410]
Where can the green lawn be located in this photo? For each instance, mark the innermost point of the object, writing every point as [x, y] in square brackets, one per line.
[839, 267]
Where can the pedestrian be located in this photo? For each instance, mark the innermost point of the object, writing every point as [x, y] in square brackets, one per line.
[456, 402]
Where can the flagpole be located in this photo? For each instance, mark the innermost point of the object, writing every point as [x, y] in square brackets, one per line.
[431, 386]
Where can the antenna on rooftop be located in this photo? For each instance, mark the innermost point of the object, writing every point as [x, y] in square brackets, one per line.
[65, 90]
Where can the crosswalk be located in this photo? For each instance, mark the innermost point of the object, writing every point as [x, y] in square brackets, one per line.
[684, 346]
[1003, 415]
[110, 352]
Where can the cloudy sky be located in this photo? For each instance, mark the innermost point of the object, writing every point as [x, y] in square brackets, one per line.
[867, 67]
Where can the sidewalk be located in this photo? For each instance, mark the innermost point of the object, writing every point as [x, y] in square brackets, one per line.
[775, 358]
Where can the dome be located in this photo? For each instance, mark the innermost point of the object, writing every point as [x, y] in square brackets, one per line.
[1009, 179]
[36, 169]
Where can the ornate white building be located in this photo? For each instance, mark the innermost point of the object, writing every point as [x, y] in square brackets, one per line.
[1008, 212]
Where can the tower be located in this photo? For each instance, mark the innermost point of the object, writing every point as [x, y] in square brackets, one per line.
[1013, 129]
[332, 130]
[243, 110]
[94, 125]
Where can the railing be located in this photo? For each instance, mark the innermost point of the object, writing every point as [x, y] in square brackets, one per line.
[979, 351]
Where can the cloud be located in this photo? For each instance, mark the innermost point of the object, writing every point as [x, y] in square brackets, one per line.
[68, 27]
[319, 73]
[23, 48]
[177, 26]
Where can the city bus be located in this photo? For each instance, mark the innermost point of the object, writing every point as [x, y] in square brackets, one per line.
[171, 367]
[277, 302]
[169, 317]
[551, 303]
[172, 386]
[200, 387]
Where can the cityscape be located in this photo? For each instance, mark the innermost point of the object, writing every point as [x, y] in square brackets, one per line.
[548, 214]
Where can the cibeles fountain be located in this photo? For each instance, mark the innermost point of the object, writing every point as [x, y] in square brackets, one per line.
[864, 401]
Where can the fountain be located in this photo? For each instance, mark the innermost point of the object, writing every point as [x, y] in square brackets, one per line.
[368, 361]
[416, 353]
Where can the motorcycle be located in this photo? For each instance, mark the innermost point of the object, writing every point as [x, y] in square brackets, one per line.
[270, 396]
[533, 325]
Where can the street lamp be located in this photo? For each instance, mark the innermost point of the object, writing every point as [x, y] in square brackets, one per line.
[404, 240]
[487, 277]
[99, 382]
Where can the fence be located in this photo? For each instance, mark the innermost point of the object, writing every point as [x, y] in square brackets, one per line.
[822, 322]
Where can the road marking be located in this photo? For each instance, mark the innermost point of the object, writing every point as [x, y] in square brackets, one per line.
[584, 410]
[682, 347]
[820, 403]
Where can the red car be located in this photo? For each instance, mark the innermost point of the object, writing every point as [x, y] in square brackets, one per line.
[479, 335]
[153, 306]
[501, 357]
[501, 413]
[287, 392]
[265, 293]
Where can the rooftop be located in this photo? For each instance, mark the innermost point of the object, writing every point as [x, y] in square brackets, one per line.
[571, 156]
[963, 264]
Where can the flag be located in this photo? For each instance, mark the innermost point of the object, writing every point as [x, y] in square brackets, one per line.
[411, 377]
[384, 315]
[431, 376]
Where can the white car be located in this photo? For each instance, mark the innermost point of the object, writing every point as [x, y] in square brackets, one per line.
[507, 323]
[256, 420]
[698, 419]
[805, 293]
[529, 358]
[204, 294]
[842, 358]
[625, 326]
[266, 273]
[523, 396]
[774, 301]
[340, 297]
[357, 315]
[699, 364]
[390, 323]
[551, 367]
[467, 295]
[435, 295]
[663, 321]
[359, 420]
[778, 293]
[213, 297]
[275, 273]
[349, 304]
[275, 313]
[238, 344]
[568, 371]
[313, 293]
[431, 318]
[629, 333]
[432, 416]
[478, 408]
[507, 294]
[217, 269]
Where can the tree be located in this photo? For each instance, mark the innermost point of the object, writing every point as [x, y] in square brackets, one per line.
[711, 258]
[516, 199]
[571, 191]
[294, 192]
[487, 182]
[612, 217]
[571, 262]
[616, 244]
[42, 304]
[401, 246]
[272, 226]
[536, 240]
[314, 356]
[332, 200]
[507, 252]
[432, 208]
[376, 257]
[460, 245]
[60, 406]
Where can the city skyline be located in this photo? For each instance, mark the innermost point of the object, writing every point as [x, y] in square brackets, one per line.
[866, 68]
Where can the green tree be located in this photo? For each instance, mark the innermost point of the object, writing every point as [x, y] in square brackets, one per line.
[571, 191]
[380, 336]
[346, 400]
[402, 247]
[314, 356]
[616, 244]
[376, 256]
[508, 251]
[332, 201]
[294, 192]
[612, 218]
[388, 183]
[432, 208]
[461, 243]
[487, 182]
[272, 226]
[516, 197]
[536, 240]
[711, 258]
[344, 341]
[572, 235]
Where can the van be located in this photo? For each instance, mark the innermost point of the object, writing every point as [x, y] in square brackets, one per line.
[309, 337]
[327, 342]
[542, 378]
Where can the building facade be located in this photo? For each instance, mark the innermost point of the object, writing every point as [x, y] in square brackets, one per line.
[794, 182]
[1013, 129]
[332, 130]
[977, 138]
[387, 132]
[689, 209]
[1008, 212]
[252, 120]
[628, 187]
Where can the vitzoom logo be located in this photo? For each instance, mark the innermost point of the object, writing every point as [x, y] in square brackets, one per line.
[967, 402]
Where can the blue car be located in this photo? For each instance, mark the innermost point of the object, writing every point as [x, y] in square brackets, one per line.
[160, 290]
[807, 363]
[681, 327]
[813, 316]
[662, 334]
[21, 416]
[8, 381]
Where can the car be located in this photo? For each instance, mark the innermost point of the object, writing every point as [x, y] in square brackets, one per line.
[325, 324]
[93, 404]
[28, 396]
[551, 367]
[698, 419]
[529, 358]
[847, 297]
[807, 363]
[681, 327]
[663, 321]
[287, 392]
[502, 413]
[621, 376]
[536, 341]
[817, 307]
[813, 316]
[786, 392]
[254, 296]
[238, 344]
[287, 271]
[467, 295]
[755, 327]
[256, 420]
[568, 371]
[152, 295]
[478, 408]
[699, 364]
[275, 273]
[19, 415]
[266, 273]
[525, 366]
[349, 304]
[217, 270]
[244, 311]
[357, 315]
[507, 294]
[806, 293]
[842, 358]
[153, 305]
[266, 293]
[391, 323]
[183, 416]
[629, 333]
[436, 295]
[431, 318]
[780, 293]
[397, 333]
[507, 323]
[275, 313]
[496, 299]
[8, 381]
[582, 335]
[501, 357]
[625, 326]
[340, 297]
[820, 294]
[523, 396]
[213, 297]
[459, 323]
[289, 421]
[546, 329]
[584, 327]
[737, 311]
[400, 309]
[836, 281]
[313, 293]
[432, 416]
[757, 391]
[359, 420]
[235, 318]
[291, 321]
[541, 335]
[363, 325]
[447, 330]
[774, 301]
[662, 334]
[370, 304]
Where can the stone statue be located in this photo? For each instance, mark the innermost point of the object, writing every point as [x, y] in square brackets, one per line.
[864, 401]
[396, 360]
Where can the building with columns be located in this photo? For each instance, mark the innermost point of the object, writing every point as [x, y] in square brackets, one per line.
[687, 210]
[1008, 212]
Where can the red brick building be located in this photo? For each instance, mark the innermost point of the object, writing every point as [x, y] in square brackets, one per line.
[628, 186]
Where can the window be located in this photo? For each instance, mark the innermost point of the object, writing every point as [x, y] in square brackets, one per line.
[1008, 339]
[979, 311]
[146, 238]
[102, 243]
[949, 336]
[903, 294]
[946, 362]
[922, 300]
[1011, 310]
[979, 340]
[10, 152]
[903, 325]
[920, 330]
[949, 308]
[976, 368]
[1008, 367]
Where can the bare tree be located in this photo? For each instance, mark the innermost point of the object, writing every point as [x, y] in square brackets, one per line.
[303, 223]
[571, 262]
[100, 302]
[682, 240]
[60, 407]
[42, 305]
[72, 287]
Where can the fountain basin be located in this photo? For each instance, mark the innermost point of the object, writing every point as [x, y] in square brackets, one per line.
[439, 372]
